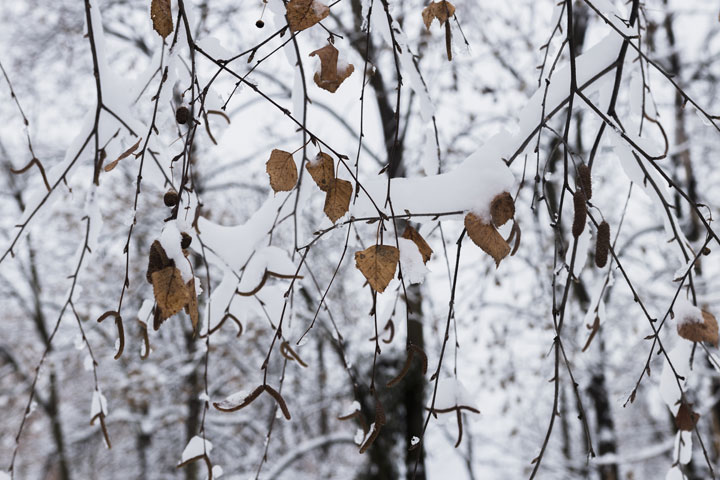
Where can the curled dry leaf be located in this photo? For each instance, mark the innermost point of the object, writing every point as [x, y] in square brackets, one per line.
[411, 234]
[171, 293]
[191, 308]
[331, 74]
[378, 263]
[287, 351]
[37, 163]
[337, 199]
[515, 234]
[686, 418]
[486, 237]
[161, 15]
[231, 404]
[121, 330]
[302, 14]
[441, 10]
[322, 170]
[377, 425]
[282, 171]
[707, 331]
[279, 399]
[411, 351]
[125, 154]
[502, 208]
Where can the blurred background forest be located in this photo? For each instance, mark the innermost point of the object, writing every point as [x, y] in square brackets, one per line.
[503, 357]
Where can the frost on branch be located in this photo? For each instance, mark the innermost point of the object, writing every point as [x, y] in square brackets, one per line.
[199, 448]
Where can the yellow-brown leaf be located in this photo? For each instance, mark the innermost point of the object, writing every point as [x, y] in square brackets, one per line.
[330, 76]
[171, 293]
[157, 260]
[502, 208]
[337, 199]
[700, 332]
[125, 154]
[378, 263]
[411, 234]
[686, 418]
[282, 171]
[442, 10]
[486, 237]
[302, 14]
[161, 15]
[322, 170]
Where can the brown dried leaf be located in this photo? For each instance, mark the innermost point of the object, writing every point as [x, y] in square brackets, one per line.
[161, 15]
[378, 263]
[442, 10]
[411, 234]
[486, 237]
[282, 171]
[700, 332]
[337, 199]
[125, 154]
[302, 14]
[158, 260]
[191, 308]
[322, 170]
[330, 76]
[686, 418]
[171, 293]
[502, 208]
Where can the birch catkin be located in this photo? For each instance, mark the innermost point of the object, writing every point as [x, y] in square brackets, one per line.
[580, 213]
[603, 244]
[584, 180]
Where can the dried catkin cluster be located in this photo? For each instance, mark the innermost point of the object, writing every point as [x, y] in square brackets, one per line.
[603, 244]
[580, 213]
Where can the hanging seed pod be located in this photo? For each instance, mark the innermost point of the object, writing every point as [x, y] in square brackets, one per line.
[259, 24]
[170, 198]
[186, 240]
[584, 180]
[603, 244]
[580, 213]
[182, 115]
